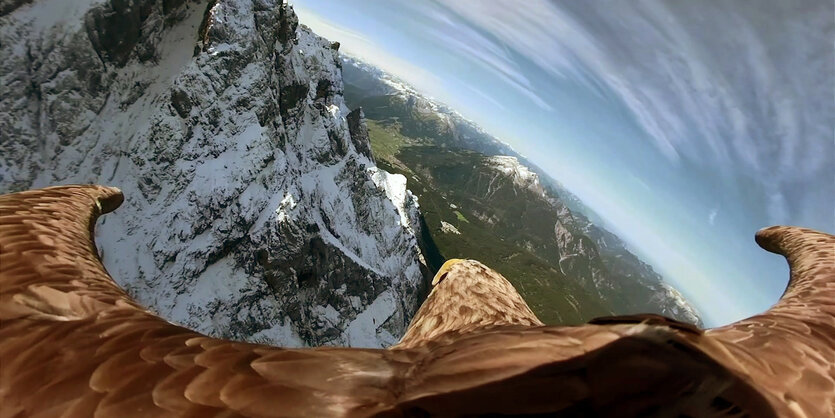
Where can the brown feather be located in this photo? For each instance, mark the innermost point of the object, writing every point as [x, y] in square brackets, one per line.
[73, 343]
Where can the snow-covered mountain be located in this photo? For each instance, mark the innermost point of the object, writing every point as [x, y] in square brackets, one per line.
[253, 208]
[511, 168]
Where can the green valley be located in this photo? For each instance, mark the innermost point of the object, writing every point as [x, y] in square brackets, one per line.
[453, 187]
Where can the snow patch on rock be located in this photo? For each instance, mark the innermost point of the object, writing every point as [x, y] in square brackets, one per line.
[394, 186]
[365, 330]
[521, 175]
[448, 228]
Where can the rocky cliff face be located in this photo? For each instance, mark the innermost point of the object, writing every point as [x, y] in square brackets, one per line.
[253, 210]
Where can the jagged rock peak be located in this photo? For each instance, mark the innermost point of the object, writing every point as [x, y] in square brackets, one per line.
[359, 132]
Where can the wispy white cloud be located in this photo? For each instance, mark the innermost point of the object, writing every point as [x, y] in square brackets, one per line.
[486, 97]
[467, 41]
[729, 87]
[711, 217]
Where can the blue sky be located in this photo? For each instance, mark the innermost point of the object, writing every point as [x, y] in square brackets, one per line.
[687, 126]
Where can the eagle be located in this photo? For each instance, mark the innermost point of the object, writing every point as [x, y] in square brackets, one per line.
[73, 343]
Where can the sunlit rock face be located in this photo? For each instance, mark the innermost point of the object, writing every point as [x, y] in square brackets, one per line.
[253, 208]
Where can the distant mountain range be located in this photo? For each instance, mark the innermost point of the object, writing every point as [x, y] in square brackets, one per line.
[481, 199]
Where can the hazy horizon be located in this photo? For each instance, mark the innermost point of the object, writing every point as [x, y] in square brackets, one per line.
[686, 126]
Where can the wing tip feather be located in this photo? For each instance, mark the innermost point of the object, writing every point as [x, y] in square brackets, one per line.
[109, 198]
[792, 241]
[810, 254]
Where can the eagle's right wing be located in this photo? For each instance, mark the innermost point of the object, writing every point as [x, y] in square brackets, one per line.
[789, 350]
